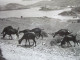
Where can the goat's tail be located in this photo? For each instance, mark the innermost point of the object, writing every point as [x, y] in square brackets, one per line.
[78, 42]
[18, 31]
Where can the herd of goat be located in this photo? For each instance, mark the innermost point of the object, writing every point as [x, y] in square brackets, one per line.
[37, 32]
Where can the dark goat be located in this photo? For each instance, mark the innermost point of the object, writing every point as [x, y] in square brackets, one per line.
[28, 36]
[69, 38]
[10, 31]
[24, 31]
[62, 32]
[37, 32]
[6, 28]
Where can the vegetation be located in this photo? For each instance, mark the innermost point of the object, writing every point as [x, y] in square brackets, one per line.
[68, 13]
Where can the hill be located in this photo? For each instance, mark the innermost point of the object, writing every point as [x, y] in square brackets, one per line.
[61, 3]
[12, 6]
[53, 4]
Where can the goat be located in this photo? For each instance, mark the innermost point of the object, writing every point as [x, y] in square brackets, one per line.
[10, 32]
[6, 28]
[37, 32]
[69, 38]
[28, 36]
[24, 31]
[62, 32]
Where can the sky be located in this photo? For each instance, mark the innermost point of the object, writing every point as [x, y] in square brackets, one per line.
[24, 2]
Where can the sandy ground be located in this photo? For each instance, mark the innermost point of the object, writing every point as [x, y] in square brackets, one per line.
[12, 51]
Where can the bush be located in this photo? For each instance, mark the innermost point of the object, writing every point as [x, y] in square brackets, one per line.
[68, 13]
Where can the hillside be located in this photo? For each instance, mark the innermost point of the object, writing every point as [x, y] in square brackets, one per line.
[53, 4]
[61, 3]
[13, 6]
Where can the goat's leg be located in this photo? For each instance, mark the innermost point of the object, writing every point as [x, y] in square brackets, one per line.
[4, 35]
[10, 36]
[19, 41]
[63, 42]
[26, 42]
[34, 41]
[54, 35]
[41, 36]
[69, 43]
[77, 43]
[37, 35]
[17, 35]
[29, 42]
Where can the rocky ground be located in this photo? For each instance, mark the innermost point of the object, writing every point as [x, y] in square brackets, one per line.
[43, 51]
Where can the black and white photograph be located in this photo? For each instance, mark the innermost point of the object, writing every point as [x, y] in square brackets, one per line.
[39, 29]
